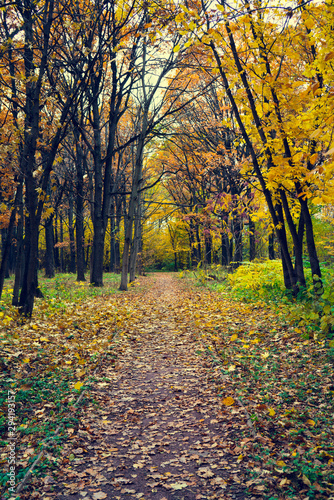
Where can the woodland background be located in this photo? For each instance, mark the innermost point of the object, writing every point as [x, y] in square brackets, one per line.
[165, 135]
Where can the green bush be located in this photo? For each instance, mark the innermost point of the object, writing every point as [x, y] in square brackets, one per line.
[258, 280]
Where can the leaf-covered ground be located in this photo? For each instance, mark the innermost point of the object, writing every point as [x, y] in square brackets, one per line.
[170, 392]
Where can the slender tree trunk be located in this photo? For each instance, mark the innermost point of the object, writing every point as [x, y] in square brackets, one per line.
[208, 247]
[62, 267]
[135, 242]
[79, 222]
[298, 247]
[237, 233]
[112, 239]
[72, 267]
[20, 254]
[225, 249]
[8, 242]
[252, 249]
[49, 248]
[134, 199]
[271, 246]
[56, 239]
[311, 248]
[96, 265]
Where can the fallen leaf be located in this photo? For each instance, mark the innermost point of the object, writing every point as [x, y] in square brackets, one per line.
[306, 480]
[178, 486]
[228, 401]
[205, 472]
[99, 495]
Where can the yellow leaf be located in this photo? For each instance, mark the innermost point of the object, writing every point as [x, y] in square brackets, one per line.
[68, 362]
[78, 386]
[26, 360]
[234, 337]
[281, 463]
[313, 158]
[245, 346]
[176, 48]
[228, 401]
[44, 339]
[265, 355]
[272, 412]
[35, 327]
[310, 422]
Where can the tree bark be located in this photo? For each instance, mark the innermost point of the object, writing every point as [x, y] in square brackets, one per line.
[271, 246]
[49, 248]
[136, 242]
[79, 219]
[252, 248]
[72, 267]
[8, 242]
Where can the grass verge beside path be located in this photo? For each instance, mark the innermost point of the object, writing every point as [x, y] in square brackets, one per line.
[286, 385]
[48, 361]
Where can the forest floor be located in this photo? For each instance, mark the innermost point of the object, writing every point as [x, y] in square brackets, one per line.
[202, 398]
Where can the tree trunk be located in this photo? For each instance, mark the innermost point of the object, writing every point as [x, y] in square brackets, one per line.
[136, 242]
[8, 242]
[62, 266]
[271, 246]
[112, 239]
[134, 198]
[297, 244]
[237, 234]
[20, 254]
[208, 247]
[311, 248]
[72, 267]
[49, 248]
[252, 249]
[80, 235]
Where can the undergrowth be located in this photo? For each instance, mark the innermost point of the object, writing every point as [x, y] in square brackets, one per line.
[282, 375]
[262, 283]
[48, 360]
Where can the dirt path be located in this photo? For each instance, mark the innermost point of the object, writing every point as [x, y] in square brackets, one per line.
[156, 431]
